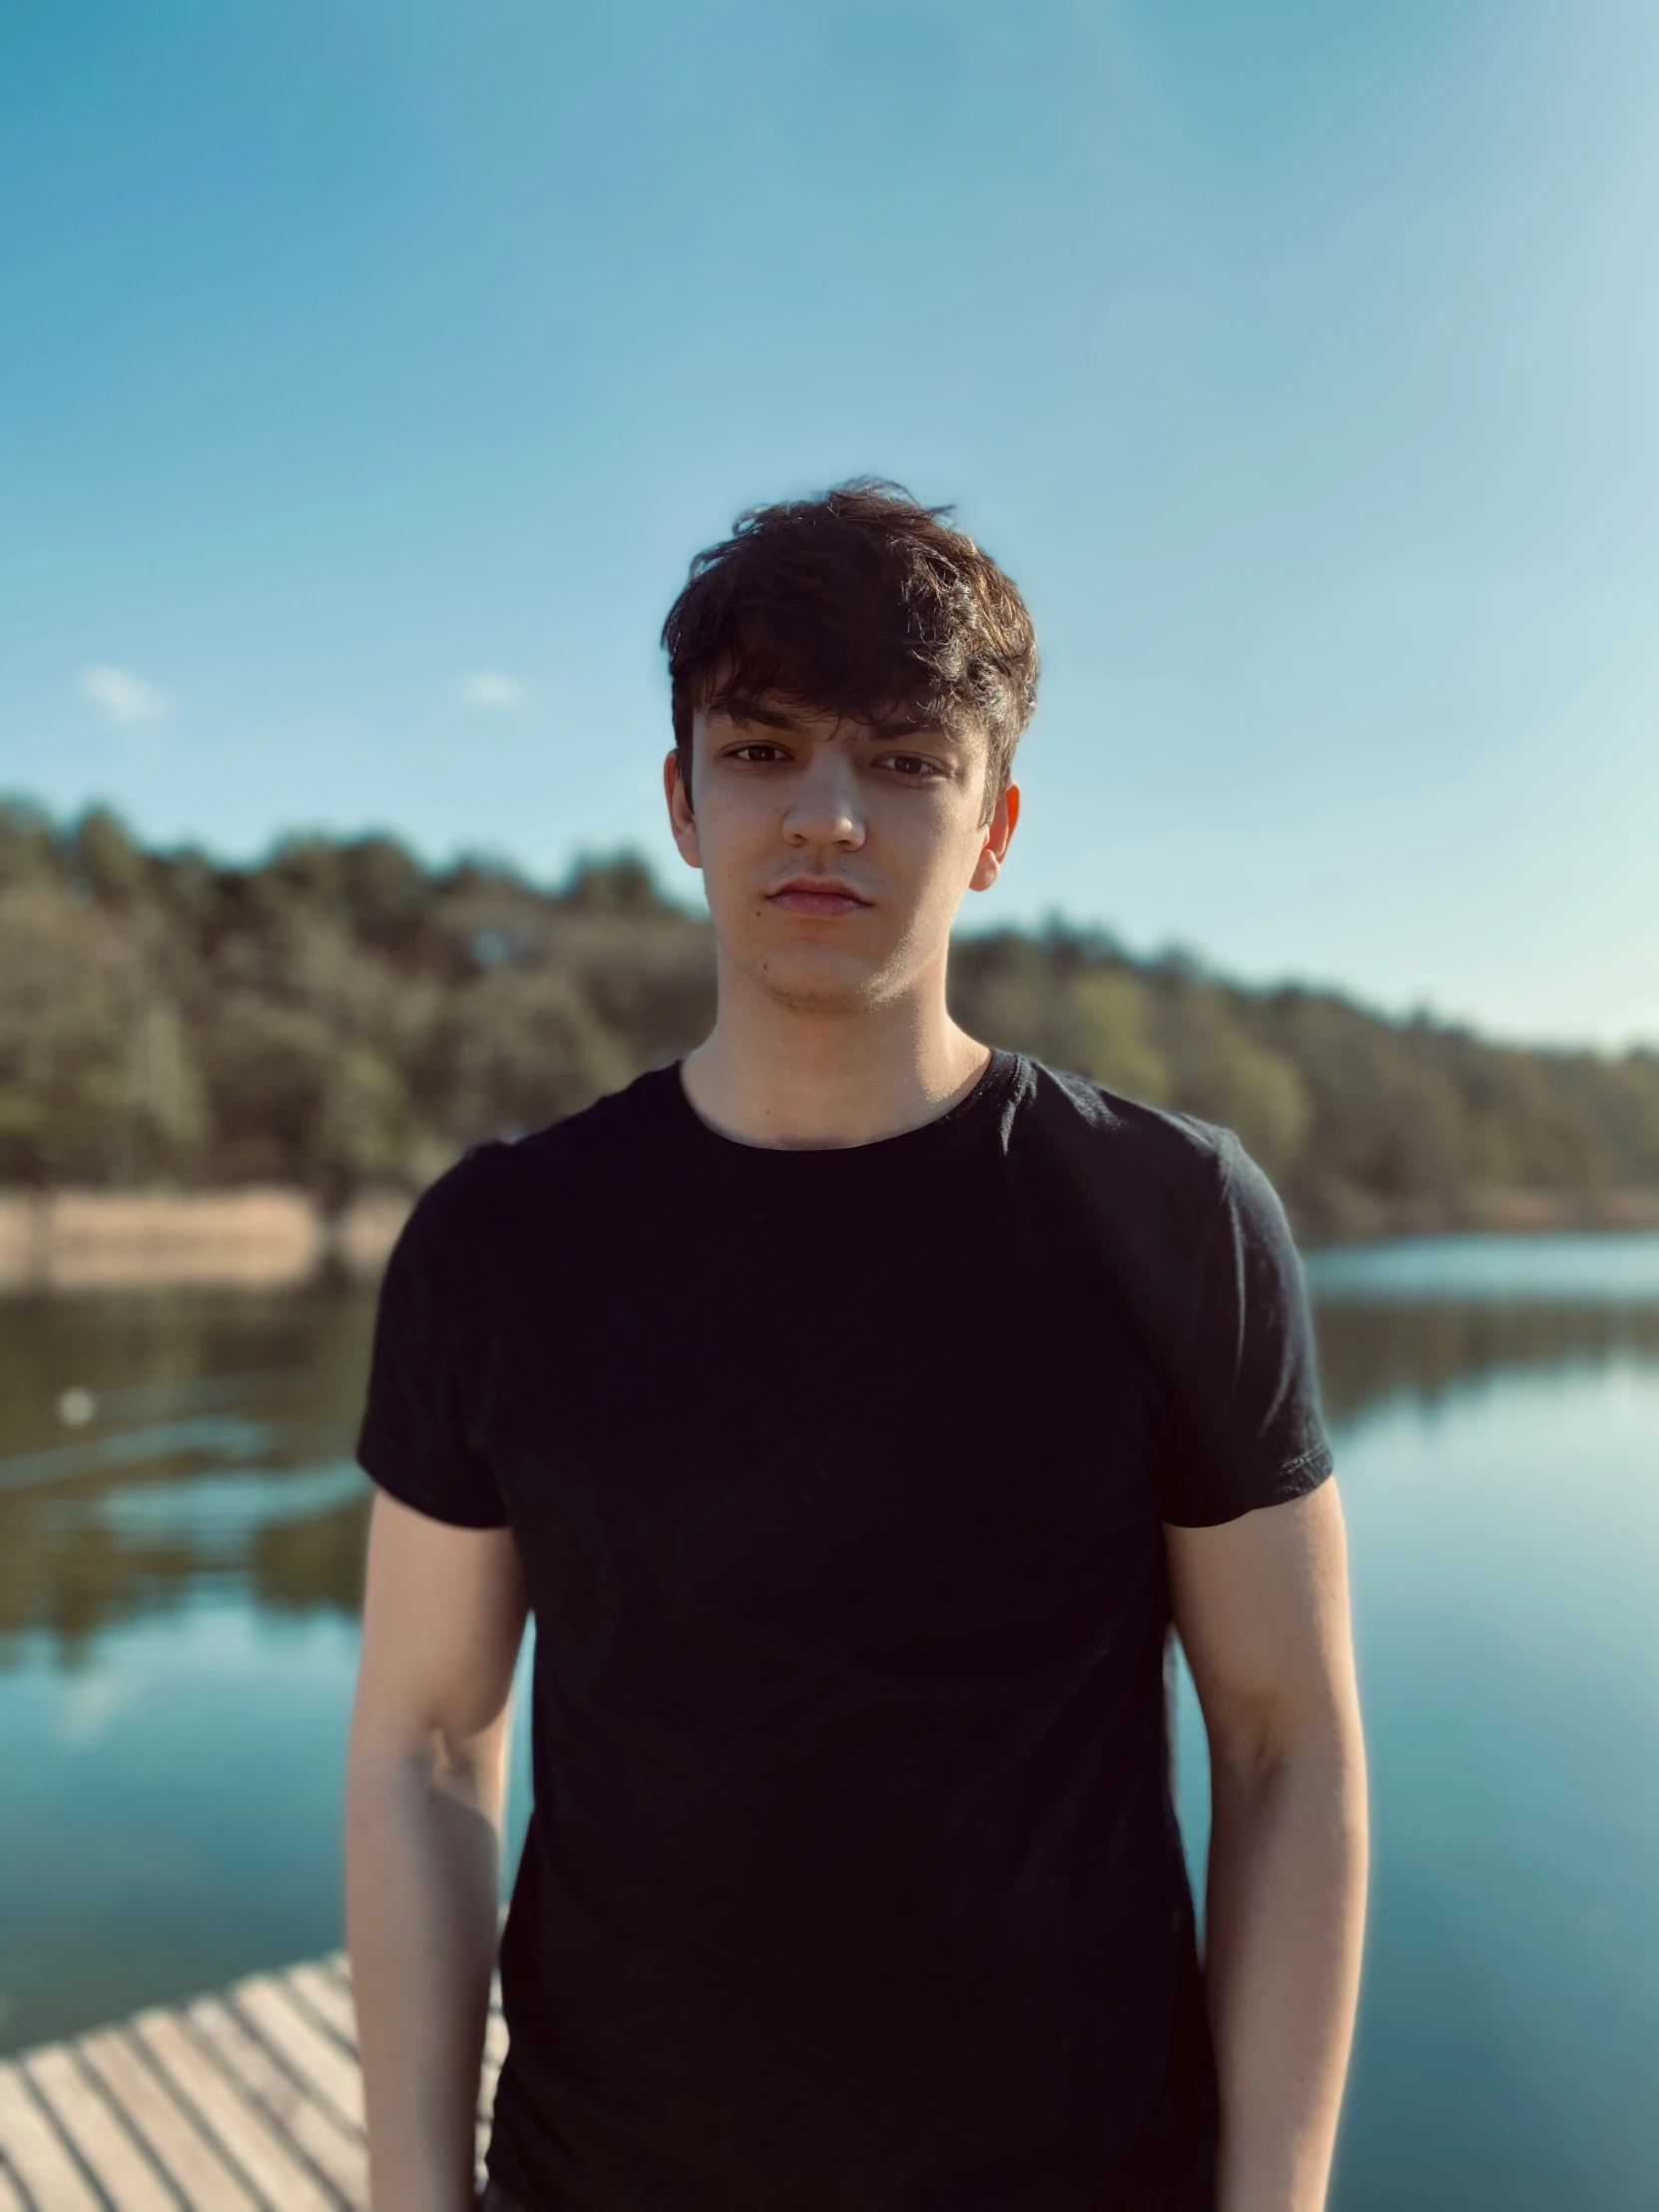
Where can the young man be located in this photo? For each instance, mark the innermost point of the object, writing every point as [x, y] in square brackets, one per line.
[855, 1406]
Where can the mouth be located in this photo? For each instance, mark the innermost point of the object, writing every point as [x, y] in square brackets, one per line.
[821, 895]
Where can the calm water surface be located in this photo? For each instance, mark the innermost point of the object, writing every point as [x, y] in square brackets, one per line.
[180, 1570]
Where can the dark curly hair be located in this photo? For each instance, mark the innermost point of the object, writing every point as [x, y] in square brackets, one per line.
[861, 602]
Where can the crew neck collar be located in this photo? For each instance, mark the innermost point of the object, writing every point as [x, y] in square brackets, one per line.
[944, 1133]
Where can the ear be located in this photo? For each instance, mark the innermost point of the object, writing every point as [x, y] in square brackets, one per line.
[680, 820]
[989, 866]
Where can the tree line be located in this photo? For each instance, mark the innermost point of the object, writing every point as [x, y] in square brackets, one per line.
[338, 1016]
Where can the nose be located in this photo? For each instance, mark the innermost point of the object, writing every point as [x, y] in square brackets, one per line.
[825, 806]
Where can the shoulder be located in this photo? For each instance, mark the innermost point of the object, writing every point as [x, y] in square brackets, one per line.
[497, 1186]
[1169, 1197]
[1150, 1157]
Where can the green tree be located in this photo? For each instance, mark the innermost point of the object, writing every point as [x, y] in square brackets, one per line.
[515, 1049]
[103, 856]
[338, 1015]
[98, 1079]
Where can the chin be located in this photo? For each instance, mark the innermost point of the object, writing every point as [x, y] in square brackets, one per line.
[812, 984]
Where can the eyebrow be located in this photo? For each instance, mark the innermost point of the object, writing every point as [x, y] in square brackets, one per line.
[738, 706]
[747, 707]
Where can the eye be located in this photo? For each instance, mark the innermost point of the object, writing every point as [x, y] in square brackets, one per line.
[756, 751]
[913, 764]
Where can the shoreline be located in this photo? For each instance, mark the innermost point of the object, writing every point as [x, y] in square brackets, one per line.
[1349, 1217]
[260, 1237]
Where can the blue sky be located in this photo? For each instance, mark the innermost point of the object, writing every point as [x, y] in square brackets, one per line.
[1300, 361]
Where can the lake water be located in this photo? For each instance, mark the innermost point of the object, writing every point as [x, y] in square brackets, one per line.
[180, 1568]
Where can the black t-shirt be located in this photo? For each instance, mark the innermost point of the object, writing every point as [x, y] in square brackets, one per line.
[853, 1880]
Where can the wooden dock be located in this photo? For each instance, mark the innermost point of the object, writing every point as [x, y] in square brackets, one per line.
[249, 2100]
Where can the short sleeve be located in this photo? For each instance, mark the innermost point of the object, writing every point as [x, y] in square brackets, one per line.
[419, 1435]
[1245, 1427]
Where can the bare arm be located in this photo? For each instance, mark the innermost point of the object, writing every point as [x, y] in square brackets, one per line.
[1262, 1608]
[443, 1616]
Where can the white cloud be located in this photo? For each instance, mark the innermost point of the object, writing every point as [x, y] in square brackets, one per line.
[488, 687]
[123, 696]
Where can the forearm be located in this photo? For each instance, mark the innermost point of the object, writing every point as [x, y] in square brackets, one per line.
[422, 1851]
[1283, 1928]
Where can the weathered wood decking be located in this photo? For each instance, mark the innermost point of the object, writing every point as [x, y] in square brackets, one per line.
[246, 2101]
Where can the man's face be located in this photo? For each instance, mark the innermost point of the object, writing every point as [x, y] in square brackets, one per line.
[833, 855]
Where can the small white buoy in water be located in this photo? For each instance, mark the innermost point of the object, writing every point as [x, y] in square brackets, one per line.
[76, 1406]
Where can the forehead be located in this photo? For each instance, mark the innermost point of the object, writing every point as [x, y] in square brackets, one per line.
[774, 709]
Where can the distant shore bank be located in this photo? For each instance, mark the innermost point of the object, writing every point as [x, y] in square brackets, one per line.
[262, 1237]
[1352, 1216]
[272, 1237]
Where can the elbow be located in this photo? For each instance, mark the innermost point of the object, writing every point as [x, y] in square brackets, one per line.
[398, 1764]
[1252, 1748]
[468, 1768]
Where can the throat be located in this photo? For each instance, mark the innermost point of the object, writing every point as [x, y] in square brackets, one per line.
[815, 1085]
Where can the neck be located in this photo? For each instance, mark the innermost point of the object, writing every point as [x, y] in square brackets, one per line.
[774, 1074]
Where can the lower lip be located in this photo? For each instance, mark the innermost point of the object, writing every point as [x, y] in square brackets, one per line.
[824, 904]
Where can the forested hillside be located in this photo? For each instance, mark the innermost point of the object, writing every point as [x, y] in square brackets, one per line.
[339, 1017]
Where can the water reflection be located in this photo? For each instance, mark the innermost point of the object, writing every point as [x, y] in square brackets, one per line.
[217, 1449]
[215, 1455]
[1376, 1352]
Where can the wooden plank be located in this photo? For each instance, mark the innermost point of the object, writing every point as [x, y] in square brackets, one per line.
[36, 2153]
[248, 2101]
[495, 2052]
[333, 2007]
[196, 2170]
[313, 2056]
[340, 2157]
[101, 2141]
[257, 2144]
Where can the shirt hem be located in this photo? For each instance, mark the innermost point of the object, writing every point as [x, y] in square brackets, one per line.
[1298, 1477]
[405, 1496]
